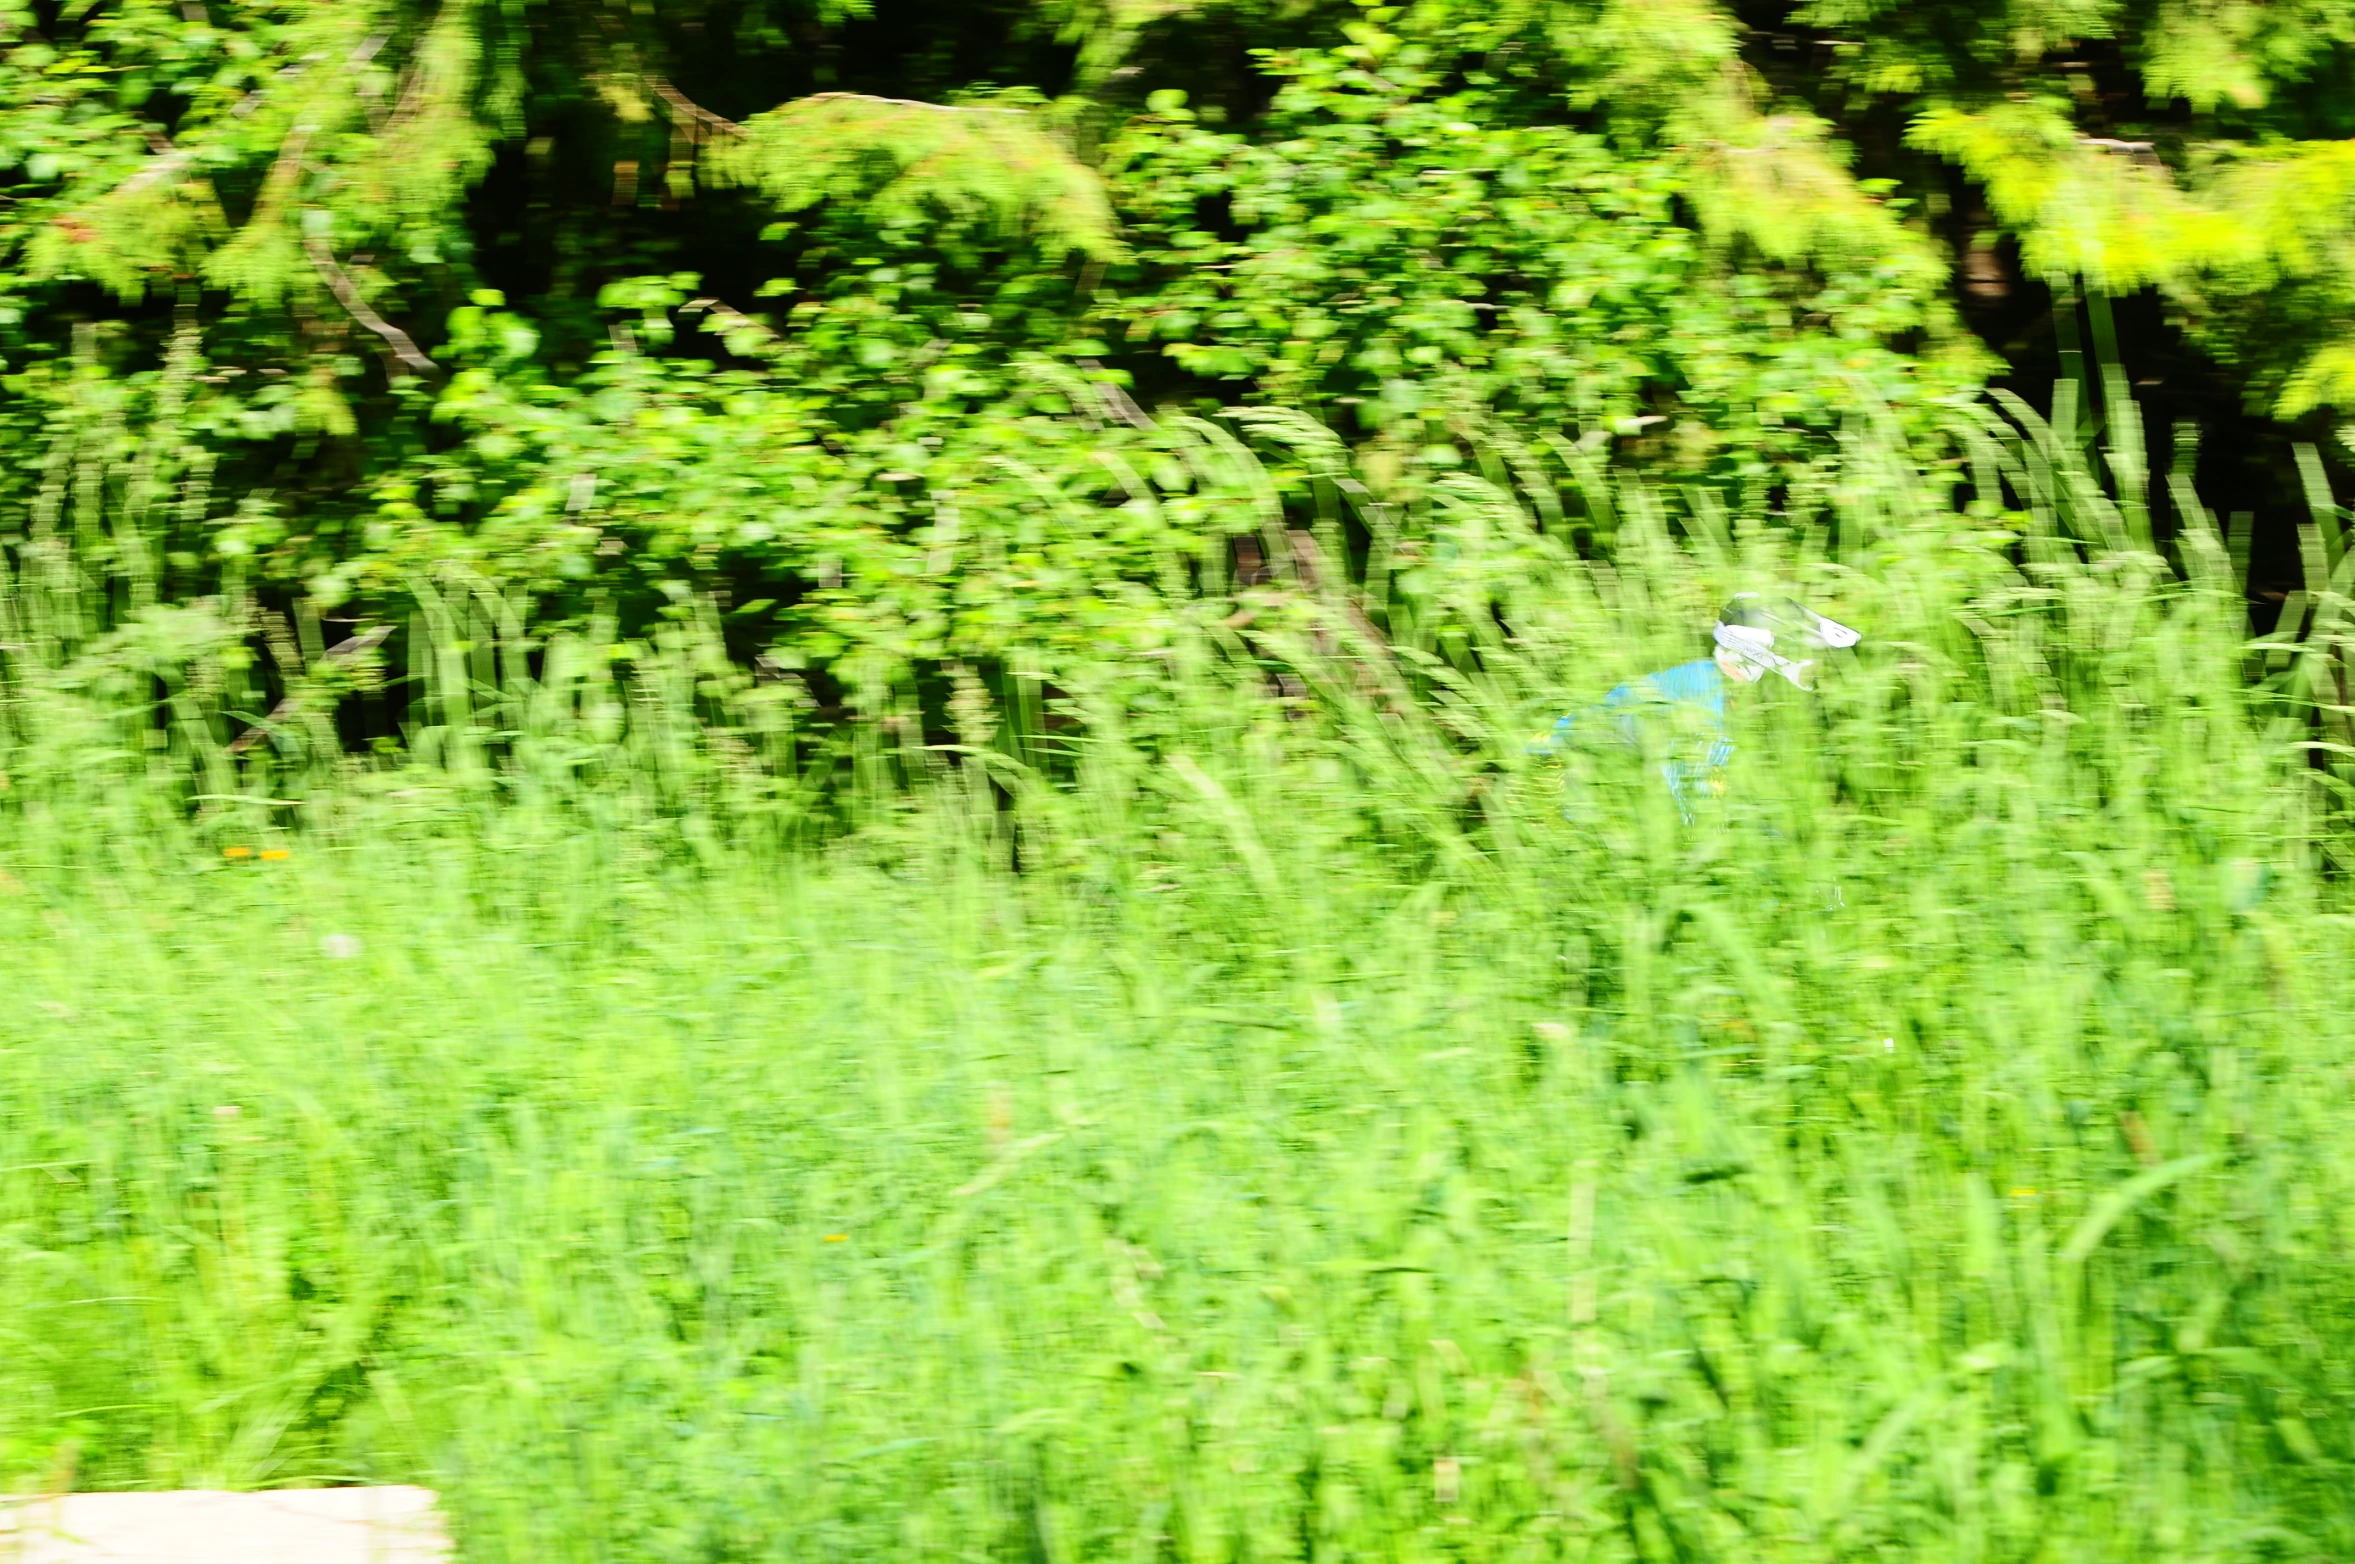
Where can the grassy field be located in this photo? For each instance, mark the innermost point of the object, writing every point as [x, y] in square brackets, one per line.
[1309, 1133]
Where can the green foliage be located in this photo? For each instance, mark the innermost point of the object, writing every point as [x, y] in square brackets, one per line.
[1417, 253]
[2209, 159]
[1405, 233]
[329, 143]
[1313, 1127]
[2210, 53]
[2270, 222]
[914, 163]
[1005, 508]
[940, 370]
[765, 791]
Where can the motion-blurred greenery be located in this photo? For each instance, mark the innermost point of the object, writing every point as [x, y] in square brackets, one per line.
[1255, 1110]
[765, 790]
[769, 301]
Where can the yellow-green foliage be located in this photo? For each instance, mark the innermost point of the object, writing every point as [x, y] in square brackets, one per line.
[2245, 220]
[356, 124]
[996, 162]
[2209, 162]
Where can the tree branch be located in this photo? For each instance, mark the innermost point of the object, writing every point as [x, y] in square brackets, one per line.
[688, 110]
[404, 348]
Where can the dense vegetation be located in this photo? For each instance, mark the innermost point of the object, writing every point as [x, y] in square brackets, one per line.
[1313, 1129]
[765, 789]
[849, 316]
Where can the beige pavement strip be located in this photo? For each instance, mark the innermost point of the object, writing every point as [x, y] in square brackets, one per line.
[288, 1526]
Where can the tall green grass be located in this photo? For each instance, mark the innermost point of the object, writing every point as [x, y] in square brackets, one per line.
[1261, 1119]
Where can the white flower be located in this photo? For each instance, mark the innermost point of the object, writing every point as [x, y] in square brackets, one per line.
[340, 947]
